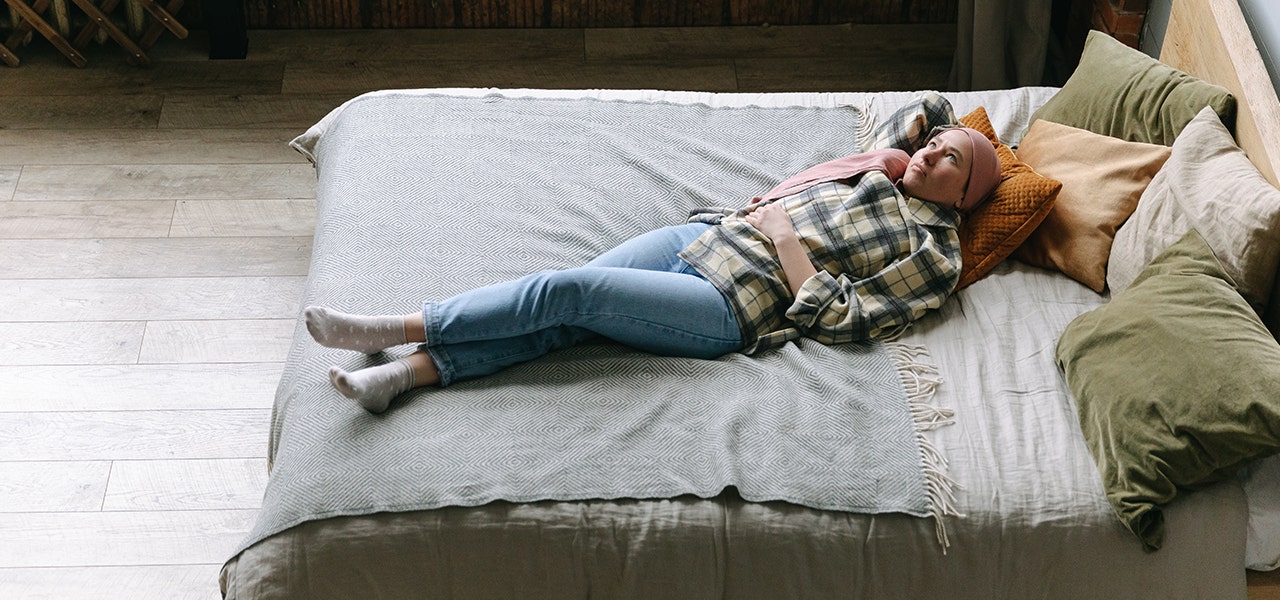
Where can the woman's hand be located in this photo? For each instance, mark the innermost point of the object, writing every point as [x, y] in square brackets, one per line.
[773, 221]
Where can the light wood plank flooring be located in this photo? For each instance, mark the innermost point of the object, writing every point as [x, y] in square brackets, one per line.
[154, 237]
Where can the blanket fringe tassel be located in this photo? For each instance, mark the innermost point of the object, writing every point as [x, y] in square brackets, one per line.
[866, 123]
[920, 379]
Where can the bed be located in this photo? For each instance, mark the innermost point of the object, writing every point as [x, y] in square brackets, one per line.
[996, 416]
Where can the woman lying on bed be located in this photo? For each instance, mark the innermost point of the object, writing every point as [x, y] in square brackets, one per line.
[840, 252]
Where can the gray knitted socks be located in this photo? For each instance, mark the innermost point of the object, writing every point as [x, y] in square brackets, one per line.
[334, 329]
[374, 387]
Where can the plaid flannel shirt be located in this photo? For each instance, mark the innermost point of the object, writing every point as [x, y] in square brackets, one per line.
[883, 258]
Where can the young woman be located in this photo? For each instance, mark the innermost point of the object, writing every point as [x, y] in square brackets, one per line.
[841, 252]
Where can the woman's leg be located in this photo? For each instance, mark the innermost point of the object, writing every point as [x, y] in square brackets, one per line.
[657, 250]
[706, 333]
[482, 331]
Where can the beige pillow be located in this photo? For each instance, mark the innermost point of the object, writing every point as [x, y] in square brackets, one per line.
[1102, 178]
[1209, 185]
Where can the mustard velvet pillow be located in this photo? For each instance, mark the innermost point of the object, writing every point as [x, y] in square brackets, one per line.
[1176, 384]
[1123, 93]
[1102, 179]
[1209, 185]
[1023, 198]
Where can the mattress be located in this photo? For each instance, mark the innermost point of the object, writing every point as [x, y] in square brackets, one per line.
[1034, 520]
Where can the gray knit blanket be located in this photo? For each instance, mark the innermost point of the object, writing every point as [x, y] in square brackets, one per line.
[424, 196]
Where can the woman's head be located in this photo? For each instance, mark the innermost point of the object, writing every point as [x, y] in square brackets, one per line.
[957, 167]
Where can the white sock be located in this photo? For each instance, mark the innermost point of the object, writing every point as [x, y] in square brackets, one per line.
[335, 329]
[374, 387]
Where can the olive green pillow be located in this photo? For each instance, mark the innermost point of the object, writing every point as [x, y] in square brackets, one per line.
[1176, 383]
[1123, 93]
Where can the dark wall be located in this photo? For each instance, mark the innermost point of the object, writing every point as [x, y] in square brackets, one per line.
[288, 14]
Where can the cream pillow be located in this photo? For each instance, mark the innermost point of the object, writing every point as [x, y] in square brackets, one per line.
[1208, 184]
[1102, 178]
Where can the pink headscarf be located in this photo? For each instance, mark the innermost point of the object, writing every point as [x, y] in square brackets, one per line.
[984, 170]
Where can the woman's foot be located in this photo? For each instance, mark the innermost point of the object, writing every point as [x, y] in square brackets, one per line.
[366, 334]
[374, 387]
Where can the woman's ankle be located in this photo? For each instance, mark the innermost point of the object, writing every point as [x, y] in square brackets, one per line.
[424, 369]
[415, 331]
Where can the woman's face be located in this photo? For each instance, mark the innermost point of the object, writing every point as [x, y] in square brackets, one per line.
[939, 171]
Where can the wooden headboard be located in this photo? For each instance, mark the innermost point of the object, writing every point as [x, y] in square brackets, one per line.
[1210, 39]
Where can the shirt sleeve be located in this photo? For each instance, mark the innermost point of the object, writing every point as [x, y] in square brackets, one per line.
[908, 128]
[711, 215]
[837, 310]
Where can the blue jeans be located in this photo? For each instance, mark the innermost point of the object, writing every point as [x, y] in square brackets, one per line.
[639, 294]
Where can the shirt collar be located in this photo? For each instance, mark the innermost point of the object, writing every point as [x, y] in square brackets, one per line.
[929, 213]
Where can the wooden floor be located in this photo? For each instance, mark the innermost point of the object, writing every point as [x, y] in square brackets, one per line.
[155, 231]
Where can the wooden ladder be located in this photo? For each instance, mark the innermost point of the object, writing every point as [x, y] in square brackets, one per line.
[29, 16]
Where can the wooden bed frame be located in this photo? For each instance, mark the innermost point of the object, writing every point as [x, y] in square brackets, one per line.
[1210, 39]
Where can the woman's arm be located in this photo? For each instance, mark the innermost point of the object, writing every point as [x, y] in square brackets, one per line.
[772, 220]
[837, 309]
[909, 126]
[840, 309]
